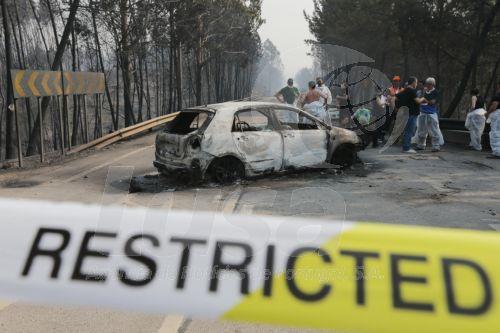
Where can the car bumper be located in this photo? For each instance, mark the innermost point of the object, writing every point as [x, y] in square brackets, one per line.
[169, 167]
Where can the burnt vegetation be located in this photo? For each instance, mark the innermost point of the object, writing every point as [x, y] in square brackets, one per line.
[455, 41]
[158, 57]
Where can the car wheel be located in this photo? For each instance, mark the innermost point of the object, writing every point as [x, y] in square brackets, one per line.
[345, 156]
[226, 170]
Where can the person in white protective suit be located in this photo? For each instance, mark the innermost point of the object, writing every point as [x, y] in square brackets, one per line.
[428, 121]
[494, 120]
[313, 102]
[476, 122]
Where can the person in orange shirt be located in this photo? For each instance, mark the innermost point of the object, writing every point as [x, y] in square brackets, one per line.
[390, 104]
[396, 87]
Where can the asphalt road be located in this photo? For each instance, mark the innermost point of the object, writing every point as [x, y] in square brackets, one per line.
[452, 189]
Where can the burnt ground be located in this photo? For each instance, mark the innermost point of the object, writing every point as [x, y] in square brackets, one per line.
[454, 188]
[157, 183]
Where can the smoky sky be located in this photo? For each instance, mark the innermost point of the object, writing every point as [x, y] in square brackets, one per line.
[287, 28]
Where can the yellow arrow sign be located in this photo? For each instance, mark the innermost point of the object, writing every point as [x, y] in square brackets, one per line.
[32, 83]
[17, 84]
[28, 83]
[68, 83]
[45, 83]
[57, 83]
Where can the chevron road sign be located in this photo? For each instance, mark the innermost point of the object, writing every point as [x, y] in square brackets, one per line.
[45, 83]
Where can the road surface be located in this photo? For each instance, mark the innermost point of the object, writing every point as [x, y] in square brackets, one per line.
[451, 189]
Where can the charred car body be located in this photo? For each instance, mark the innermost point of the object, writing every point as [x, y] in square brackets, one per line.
[225, 142]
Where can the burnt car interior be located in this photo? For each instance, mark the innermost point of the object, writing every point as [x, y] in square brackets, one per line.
[257, 121]
[292, 121]
[188, 122]
[252, 121]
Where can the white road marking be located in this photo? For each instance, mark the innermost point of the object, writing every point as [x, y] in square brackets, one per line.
[4, 304]
[171, 324]
[231, 202]
[89, 171]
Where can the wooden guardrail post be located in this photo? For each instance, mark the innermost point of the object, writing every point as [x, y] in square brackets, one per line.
[18, 133]
[39, 108]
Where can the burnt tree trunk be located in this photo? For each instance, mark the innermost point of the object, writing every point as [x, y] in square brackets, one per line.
[10, 147]
[473, 58]
[56, 65]
[114, 116]
[125, 63]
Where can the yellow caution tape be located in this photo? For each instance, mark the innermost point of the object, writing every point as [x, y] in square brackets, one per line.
[350, 277]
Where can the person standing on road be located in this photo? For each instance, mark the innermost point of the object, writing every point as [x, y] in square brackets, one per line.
[313, 102]
[410, 99]
[494, 120]
[342, 101]
[474, 95]
[428, 121]
[288, 94]
[476, 122]
[320, 86]
[390, 105]
[394, 90]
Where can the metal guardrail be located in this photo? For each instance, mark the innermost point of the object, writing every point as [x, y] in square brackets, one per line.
[452, 124]
[125, 133]
[112, 137]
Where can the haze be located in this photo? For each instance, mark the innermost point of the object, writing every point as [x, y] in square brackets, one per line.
[287, 28]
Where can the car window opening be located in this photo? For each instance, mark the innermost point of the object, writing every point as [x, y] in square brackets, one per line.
[188, 122]
[252, 121]
[292, 121]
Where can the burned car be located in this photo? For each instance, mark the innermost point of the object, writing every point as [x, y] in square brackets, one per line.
[234, 140]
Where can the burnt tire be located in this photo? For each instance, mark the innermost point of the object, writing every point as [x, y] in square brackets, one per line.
[345, 156]
[227, 170]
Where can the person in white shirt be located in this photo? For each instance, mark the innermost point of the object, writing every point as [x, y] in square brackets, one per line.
[494, 121]
[476, 122]
[328, 99]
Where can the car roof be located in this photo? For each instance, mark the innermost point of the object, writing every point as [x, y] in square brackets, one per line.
[234, 106]
[228, 109]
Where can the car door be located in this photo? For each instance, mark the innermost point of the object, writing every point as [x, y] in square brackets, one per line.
[305, 142]
[257, 140]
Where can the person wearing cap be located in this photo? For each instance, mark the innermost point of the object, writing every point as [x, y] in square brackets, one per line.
[428, 121]
[390, 104]
[396, 86]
